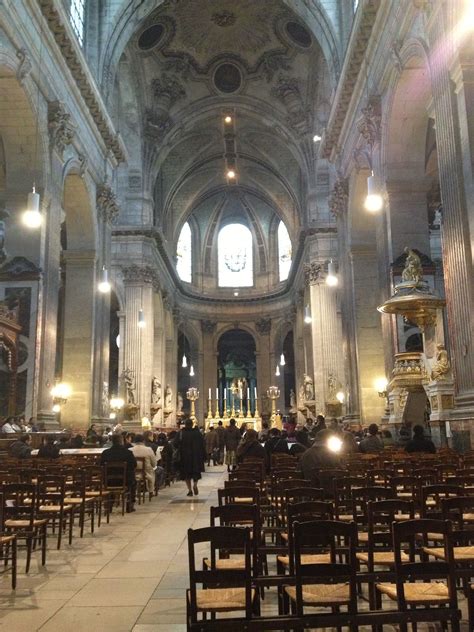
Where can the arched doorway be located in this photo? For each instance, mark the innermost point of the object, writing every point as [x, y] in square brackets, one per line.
[236, 367]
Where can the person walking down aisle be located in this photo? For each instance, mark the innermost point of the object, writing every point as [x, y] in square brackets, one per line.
[191, 456]
[220, 431]
[232, 440]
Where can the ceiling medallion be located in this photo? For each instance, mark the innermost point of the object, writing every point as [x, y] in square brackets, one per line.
[223, 19]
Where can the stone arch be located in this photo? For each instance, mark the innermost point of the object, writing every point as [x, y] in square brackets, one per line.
[79, 207]
[229, 327]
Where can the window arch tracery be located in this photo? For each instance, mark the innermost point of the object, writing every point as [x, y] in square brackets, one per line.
[284, 252]
[184, 261]
[235, 256]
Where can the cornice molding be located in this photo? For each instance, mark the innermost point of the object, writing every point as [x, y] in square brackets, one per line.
[55, 15]
[354, 59]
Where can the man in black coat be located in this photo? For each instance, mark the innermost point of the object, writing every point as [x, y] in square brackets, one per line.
[119, 453]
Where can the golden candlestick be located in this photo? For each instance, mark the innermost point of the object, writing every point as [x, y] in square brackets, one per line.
[232, 412]
[217, 415]
[256, 413]
[209, 410]
[273, 393]
[193, 395]
[241, 410]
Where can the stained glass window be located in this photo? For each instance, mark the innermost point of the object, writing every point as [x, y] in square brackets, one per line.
[235, 256]
[77, 10]
[284, 252]
[184, 262]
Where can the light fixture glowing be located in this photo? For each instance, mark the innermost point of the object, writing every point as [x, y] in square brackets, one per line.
[112, 416]
[61, 391]
[228, 119]
[184, 362]
[381, 384]
[191, 371]
[141, 319]
[104, 286]
[340, 397]
[116, 403]
[277, 372]
[236, 293]
[373, 201]
[334, 444]
[282, 360]
[307, 315]
[56, 408]
[331, 278]
[231, 174]
[117, 341]
[316, 138]
[32, 216]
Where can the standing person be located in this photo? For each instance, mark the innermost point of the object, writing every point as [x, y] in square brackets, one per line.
[220, 441]
[191, 456]
[263, 434]
[372, 443]
[118, 452]
[232, 440]
[211, 441]
[243, 429]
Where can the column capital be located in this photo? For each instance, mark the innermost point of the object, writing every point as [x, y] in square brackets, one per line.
[79, 257]
[313, 273]
[339, 197]
[136, 274]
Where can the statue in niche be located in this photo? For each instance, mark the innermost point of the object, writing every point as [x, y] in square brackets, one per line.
[129, 382]
[156, 392]
[105, 399]
[168, 398]
[301, 396]
[442, 368]
[292, 400]
[413, 270]
[308, 388]
[180, 403]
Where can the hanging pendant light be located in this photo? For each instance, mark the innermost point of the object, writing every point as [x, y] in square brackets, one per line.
[282, 360]
[184, 362]
[374, 201]
[104, 285]
[277, 372]
[307, 315]
[141, 319]
[191, 371]
[32, 216]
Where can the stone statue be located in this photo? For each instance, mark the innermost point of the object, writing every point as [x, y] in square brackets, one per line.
[180, 403]
[155, 392]
[442, 367]
[332, 387]
[105, 399]
[413, 270]
[308, 388]
[129, 381]
[292, 400]
[168, 397]
[301, 396]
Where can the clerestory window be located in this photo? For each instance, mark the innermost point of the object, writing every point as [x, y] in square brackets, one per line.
[235, 256]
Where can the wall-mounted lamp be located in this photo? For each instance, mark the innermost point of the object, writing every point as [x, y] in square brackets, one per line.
[374, 201]
[331, 277]
[60, 393]
[381, 385]
[104, 285]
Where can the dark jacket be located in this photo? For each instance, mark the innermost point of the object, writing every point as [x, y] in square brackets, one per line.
[251, 449]
[121, 453]
[48, 451]
[220, 431]
[420, 444]
[20, 450]
[297, 448]
[371, 444]
[315, 458]
[232, 438]
[191, 453]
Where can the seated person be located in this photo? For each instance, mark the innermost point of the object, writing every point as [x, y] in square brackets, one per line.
[118, 452]
[21, 448]
[153, 472]
[420, 443]
[372, 443]
[48, 450]
[250, 447]
[301, 444]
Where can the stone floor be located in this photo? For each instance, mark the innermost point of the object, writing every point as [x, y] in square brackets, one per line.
[130, 576]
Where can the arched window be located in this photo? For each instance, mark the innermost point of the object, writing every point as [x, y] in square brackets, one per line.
[284, 252]
[184, 263]
[235, 256]
[77, 10]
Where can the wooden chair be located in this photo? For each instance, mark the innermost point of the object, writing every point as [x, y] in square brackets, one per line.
[222, 590]
[237, 515]
[141, 480]
[115, 479]
[51, 504]
[233, 495]
[95, 489]
[8, 547]
[413, 586]
[432, 495]
[20, 518]
[80, 502]
[324, 584]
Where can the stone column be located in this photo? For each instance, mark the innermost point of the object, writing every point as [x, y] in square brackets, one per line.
[326, 334]
[265, 372]
[209, 364]
[79, 317]
[457, 256]
[138, 344]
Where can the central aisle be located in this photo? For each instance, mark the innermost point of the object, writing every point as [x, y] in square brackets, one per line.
[131, 575]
